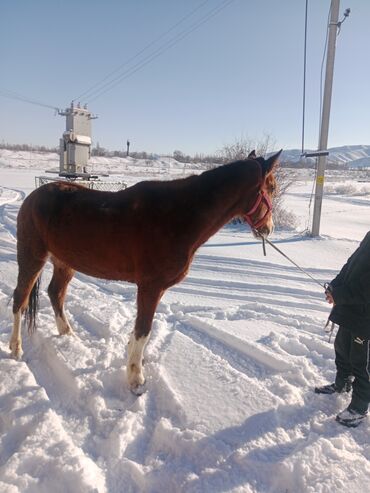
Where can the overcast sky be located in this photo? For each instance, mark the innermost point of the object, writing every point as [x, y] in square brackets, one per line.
[239, 74]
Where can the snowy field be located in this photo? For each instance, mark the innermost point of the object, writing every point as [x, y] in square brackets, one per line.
[235, 352]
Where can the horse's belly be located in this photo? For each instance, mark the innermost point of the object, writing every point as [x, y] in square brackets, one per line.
[105, 272]
[96, 262]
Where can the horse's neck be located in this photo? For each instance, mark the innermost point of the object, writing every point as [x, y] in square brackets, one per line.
[224, 191]
[217, 199]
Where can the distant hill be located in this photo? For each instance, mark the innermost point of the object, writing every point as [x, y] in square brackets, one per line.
[349, 156]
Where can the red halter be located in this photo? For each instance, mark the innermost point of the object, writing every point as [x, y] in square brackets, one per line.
[261, 197]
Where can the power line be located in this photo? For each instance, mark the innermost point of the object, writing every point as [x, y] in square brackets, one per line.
[320, 104]
[162, 49]
[19, 97]
[149, 45]
[304, 75]
[99, 89]
[322, 66]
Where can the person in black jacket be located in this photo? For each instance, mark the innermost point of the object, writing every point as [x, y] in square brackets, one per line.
[349, 293]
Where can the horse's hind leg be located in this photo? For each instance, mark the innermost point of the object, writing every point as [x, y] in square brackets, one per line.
[26, 292]
[147, 301]
[57, 291]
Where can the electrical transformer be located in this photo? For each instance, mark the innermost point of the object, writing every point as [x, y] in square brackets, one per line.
[75, 146]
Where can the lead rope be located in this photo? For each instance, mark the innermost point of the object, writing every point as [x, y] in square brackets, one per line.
[286, 256]
[264, 246]
[329, 326]
[329, 329]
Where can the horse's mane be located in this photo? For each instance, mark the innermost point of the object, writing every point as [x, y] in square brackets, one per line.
[235, 169]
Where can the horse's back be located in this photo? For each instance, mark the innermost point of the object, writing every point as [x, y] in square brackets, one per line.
[58, 194]
[137, 234]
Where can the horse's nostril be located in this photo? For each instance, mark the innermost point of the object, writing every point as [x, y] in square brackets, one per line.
[264, 231]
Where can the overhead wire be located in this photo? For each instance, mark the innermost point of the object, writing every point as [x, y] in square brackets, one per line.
[165, 47]
[304, 99]
[339, 26]
[320, 114]
[98, 89]
[19, 97]
[322, 67]
[159, 51]
[140, 52]
[304, 75]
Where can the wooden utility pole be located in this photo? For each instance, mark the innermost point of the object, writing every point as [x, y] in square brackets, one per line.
[325, 116]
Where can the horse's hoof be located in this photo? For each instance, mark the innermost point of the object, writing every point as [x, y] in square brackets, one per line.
[63, 327]
[138, 389]
[16, 352]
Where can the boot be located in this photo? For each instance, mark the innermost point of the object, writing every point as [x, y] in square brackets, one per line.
[332, 388]
[350, 417]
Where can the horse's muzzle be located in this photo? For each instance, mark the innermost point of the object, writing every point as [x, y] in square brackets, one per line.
[265, 230]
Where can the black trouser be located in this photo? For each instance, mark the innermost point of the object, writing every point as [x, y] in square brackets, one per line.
[352, 359]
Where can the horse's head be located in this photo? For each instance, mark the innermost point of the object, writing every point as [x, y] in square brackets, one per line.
[259, 216]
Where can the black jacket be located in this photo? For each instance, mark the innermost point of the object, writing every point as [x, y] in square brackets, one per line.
[351, 292]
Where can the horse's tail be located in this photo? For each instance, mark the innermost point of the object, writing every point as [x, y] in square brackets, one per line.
[33, 306]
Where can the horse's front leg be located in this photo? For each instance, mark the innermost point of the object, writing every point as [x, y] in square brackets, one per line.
[147, 301]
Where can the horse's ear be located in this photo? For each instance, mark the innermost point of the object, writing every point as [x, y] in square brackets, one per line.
[252, 154]
[269, 163]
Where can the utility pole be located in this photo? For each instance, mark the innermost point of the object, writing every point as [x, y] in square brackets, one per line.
[128, 148]
[324, 130]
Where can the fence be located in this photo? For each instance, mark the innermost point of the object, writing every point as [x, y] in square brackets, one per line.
[96, 184]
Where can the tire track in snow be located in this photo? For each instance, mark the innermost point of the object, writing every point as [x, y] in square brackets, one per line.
[258, 289]
[244, 267]
[8, 214]
[240, 357]
[256, 268]
[301, 356]
[255, 281]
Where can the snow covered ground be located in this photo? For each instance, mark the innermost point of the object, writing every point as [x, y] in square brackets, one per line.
[235, 352]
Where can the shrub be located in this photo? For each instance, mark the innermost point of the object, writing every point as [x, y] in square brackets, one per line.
[240, 149]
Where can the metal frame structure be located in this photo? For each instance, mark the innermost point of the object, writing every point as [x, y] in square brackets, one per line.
[95, 184]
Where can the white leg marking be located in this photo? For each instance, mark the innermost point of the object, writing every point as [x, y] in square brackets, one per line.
[134, 364]
[63, 325]
[15, 343]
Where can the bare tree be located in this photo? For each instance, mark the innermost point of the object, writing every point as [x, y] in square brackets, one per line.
[242, 146]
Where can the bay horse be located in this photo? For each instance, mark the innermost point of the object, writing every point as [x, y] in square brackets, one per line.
[146, 234]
